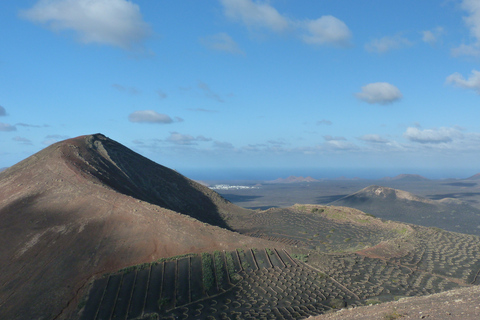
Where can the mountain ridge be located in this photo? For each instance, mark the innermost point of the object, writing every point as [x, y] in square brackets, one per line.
[393, 204]
[406, 177]
[69, 213]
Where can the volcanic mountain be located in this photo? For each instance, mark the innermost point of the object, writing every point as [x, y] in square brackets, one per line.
[474, 177]
[89, 205]
[393, 204]
[406, 177]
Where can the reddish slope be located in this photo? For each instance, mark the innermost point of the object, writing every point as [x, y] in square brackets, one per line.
[75, 210]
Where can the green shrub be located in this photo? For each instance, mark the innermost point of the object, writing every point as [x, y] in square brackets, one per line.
[218, 266]
[337, 303]
[207, 267]
[393, 315]
[162, 302]
[301, 257]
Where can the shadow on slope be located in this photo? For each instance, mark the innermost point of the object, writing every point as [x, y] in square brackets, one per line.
[129, 173]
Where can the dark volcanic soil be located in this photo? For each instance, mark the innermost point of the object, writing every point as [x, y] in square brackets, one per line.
[458, 304]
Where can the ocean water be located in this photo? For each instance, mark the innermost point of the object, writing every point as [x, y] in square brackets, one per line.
[320, 173]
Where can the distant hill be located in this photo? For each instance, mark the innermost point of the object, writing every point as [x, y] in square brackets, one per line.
[398, 205]
[293, 179]
[406, 177]
[3, 169]
[89, 205]
[474, 177]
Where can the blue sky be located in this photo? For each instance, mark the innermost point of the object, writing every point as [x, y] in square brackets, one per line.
[387, 85]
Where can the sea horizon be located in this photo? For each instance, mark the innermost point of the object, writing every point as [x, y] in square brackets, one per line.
[265, 174]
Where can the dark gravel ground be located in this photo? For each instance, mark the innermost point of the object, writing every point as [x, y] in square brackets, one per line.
[455, 304]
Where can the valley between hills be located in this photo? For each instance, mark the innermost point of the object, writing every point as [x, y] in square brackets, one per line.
[93, 230]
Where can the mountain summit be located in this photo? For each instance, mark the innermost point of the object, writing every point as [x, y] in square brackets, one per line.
[89, 205]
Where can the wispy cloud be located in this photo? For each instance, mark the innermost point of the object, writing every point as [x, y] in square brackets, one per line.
[472, 21]
[332, 138]
[130, 90]
[7, 127]
[21, 124]
[149, 116]
[221, 42]
[324, 122]
[223, 145]
[161, 94]
[387, 43]
[433, 36]
[22, 140]
[202, 110]
[208, 92]
[340, 145]
[473, 82]
[373, 138]
[110, 22]
[379, 92]
[185, 139]
[53, 138]
[3, 112]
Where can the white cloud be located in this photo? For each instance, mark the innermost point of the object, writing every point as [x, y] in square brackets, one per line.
[373, 138]
[379, 92]
[3, 112]
[473, 82]
[7, 127]
[255, 14]
[432, 36]
[327, 30]
[432, 136]
[221, 42]
[388, 43]
[149, 116]
[467, 50]
[185, 139]
[472, 21]
[111, 22]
